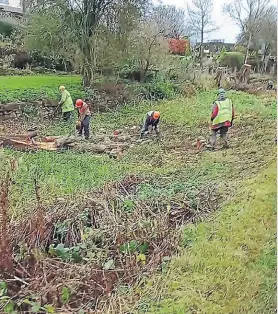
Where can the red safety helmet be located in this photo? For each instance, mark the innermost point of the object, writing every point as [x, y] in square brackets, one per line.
[78, 103]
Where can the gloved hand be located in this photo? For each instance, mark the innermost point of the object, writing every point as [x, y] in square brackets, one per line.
[78, 125]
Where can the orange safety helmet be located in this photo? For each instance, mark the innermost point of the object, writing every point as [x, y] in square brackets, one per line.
[156, 115]
[78, 103]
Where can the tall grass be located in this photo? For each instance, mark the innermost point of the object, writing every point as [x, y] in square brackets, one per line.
[229, 264]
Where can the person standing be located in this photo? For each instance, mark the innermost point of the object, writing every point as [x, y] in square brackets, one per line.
[83, 122]
[66, 103]
[222, 117]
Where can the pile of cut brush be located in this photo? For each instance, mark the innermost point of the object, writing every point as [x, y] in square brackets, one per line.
[73, 257]
[113, 144]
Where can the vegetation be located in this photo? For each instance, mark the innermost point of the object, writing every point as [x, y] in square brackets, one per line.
[164, 226]
[163, 174]
[233, 60]
[189, 113]
[229, 264]
[28, 88]
[255, 18]
[200, 21]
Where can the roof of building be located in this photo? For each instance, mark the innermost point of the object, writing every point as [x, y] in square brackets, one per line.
[10, 9]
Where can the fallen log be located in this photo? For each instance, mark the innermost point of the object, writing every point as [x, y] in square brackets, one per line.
[98, 138]
[117, 145]
[48, 139]
[60, 142]
[28, 146]
[120, 138]
[19, 137]
[12, 106]
[88, 147]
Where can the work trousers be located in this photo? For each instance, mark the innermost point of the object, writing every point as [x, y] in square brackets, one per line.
[85, 126]
[223, 134]
[146, 126]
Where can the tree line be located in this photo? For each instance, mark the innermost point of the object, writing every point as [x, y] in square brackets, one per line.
[127, 35]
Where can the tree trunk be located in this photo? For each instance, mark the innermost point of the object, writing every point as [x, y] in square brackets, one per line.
[202, 43]
[266, 54]
[247, 48]
[143, 72]
[87, 71]
[89, 24]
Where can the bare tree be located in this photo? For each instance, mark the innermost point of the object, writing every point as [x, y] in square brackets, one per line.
[200, 21]
[268, 31]
[171, 20]
[148, 47]
[247, 14]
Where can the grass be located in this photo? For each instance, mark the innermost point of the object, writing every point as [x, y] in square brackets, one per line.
[67, 174]
[229, 264]
[29, 88]
[187, 112]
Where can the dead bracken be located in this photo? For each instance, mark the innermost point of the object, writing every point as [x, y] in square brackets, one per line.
[107, 239]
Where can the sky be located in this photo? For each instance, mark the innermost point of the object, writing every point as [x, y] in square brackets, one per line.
[228, 30]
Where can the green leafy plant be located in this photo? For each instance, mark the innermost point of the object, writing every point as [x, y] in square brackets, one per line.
[128, 205]
[67, 254]
[109, 265]
[65, 294]
[129, 247]
[134, 246]
[36, 307]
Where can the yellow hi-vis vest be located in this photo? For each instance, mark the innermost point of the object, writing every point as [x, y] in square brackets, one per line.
[225, 111]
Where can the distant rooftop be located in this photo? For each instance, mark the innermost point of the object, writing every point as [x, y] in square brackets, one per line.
[10, 9]
[216, 41]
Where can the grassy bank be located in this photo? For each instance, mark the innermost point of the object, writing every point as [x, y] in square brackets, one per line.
[228, 265]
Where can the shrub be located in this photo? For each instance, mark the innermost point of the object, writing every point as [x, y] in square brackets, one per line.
[178, 46]
[155, 90]
[232, 59]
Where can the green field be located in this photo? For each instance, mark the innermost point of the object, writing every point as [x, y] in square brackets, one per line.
[226, 265]
[28, 88]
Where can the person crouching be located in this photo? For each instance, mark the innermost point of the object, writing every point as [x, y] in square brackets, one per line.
[152, 119]
[83, 122]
